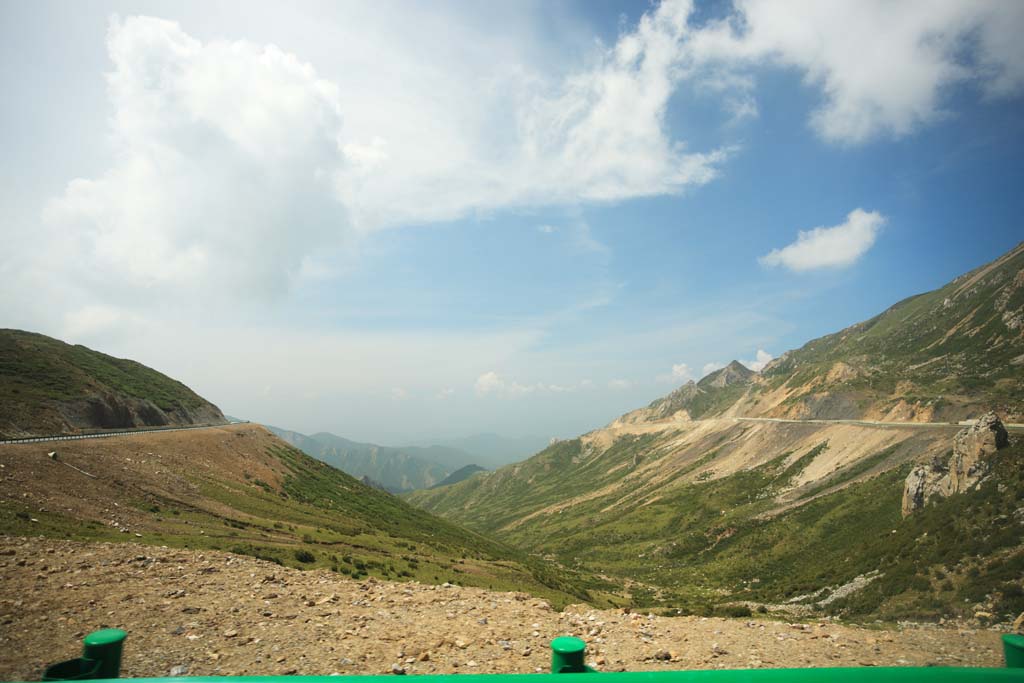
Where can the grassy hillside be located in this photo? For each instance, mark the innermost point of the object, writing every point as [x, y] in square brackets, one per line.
[241, 489]
[698, 511]
[460, 474]
[762, 535]
[47, 386]
[943, 356]
[951, 353]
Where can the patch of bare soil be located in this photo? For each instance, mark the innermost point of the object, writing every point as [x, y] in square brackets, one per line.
[214, 613]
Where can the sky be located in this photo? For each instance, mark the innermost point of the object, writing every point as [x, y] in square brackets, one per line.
[403, 221]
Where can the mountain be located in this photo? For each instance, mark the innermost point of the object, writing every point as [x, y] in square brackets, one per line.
[50, 387]
[945, 355]
[695, 399]
[395, 469]
[240, 488]
[739, 491]
[459, 475]
[488, 450]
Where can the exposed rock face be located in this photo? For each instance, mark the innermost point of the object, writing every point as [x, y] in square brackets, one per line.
[967, 466]
[112, 411]
[733, 373]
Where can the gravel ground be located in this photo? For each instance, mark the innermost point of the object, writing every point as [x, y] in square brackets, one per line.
[214, 613]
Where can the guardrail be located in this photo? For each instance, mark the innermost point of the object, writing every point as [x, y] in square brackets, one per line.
[101, 660]
[121, 432]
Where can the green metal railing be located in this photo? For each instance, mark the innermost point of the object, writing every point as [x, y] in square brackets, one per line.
[101, 660]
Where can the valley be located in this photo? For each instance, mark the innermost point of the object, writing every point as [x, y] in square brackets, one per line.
[757, 490]
[239, 488]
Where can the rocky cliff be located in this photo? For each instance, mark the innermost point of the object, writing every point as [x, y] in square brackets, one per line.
[966, 467]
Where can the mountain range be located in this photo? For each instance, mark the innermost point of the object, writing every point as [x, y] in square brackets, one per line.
[847, 477]
[784, 487]
[395, 469]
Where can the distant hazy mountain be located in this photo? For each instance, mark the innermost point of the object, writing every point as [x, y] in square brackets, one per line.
[458, 475]
[394, 469]
[490, 450]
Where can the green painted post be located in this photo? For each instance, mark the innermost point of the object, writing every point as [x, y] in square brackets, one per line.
[567, 655]
[101, 658]
[1013, 651]
[105, 647]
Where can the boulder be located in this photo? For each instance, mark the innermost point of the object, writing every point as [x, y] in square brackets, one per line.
[971, 449]
[966, 468]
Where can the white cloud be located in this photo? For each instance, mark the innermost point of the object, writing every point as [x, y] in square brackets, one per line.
[620, 384]
[493, 384]
[239, 168]
[227, 161]
[399, 394]
[710, 367]
[546, 229]
[883, 68]
[446, 392]
[680, 373]
[762, 358]
[829, 247]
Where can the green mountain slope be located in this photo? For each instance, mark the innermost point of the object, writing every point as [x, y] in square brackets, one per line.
[696, 508]
[458, 475]
[48, 387]
[947, 354]
[239, 488]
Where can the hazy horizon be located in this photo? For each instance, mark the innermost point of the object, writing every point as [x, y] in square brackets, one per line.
[398, 222]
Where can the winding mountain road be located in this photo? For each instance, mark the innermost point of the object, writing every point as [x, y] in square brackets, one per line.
[874, 423]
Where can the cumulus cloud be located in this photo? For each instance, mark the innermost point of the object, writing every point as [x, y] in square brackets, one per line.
[837, 246]
[680, 373]
[238, 165]
[446, 392]
[399, 394]
[882, 68]
[226, 166]
[240, 168]
[761, 359]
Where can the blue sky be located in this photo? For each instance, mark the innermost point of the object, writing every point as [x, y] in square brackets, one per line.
[395, 222]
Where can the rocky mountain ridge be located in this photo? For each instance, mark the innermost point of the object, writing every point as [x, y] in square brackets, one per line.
[943, 356]
[966, 468]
